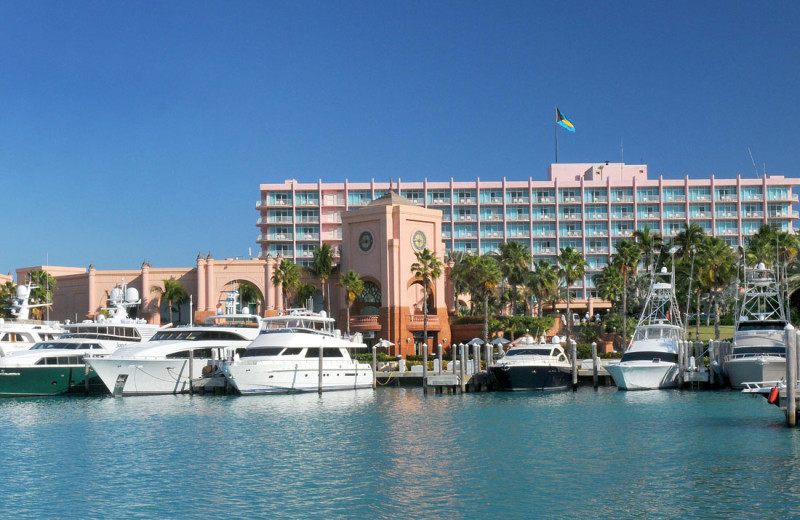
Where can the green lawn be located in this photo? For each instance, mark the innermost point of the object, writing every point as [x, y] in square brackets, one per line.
[707, 333]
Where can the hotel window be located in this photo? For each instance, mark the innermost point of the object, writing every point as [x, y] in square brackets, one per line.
[334, 198]
[518, 230]
[777, 210]
[280, 216]
[751, 210]
[622, 211]
[491, 196]
[544, 229]
[571, 242]
[596, 213]
[674, 195]
[492, 213]
[466, 231]
[648, 211]
[464, 196]
[778, 193]
[543, 247]
[282, 250]
[570, 212]
[490, 247]
[517, 196]
[726, 227]
[731, 241]
[305, 250]
[466, 214]
[306, 198]
[597, 246]
[596, 263]
[622, 229]
[468, 246]
[725, 193]
[674, 211]
[520, 212]
[780, 225]
[725, 211]
[415, 196]
[621, 194]
[673, 228]
[436, 197]
[705, 225]
[379, 194]
[597, 229]
[447, 231]
[280, 198]
[655, 227]
[596, 195]
[307, 215]
[749, 227]
[543, 196]
[569, 229]
[359, 197]
[569, 195]
[700, 211]
[333, 216]
[700, 194]
[307, 233]
[491, 230]
[647, 194]
[446, 214]
[752, 193]
[281, 233]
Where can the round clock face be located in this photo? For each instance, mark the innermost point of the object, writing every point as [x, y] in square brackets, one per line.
[365, 241]
[418, 240]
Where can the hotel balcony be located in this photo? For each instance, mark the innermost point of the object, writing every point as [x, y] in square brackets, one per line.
[493, 200]
[261, 204]
[466, 201]
[649, 199]
[416, 322]
[308, 236]
[649, 216]
[365, 322]
[598, 200]
[597, 216]
[571, 216]
[440, 202]
[727, 198]
[307, 203]
[544, 200]
[467, 218]
[623, 198]
[675, 215]
[517, 200]
[752, 214]
[492, 218]
[676, 198]
[728, 232]
[597, 250]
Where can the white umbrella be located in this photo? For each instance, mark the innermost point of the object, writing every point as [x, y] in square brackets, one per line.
[475, 341]
[384, 343]
[500, 341]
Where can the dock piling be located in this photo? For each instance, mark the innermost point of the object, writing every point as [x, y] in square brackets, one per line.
[191, 370]
[594, 364]
[374, 367]
[791, 375]
[462, 368]
[319, 380]
[425, 366]
[574, 352]
[439, 356]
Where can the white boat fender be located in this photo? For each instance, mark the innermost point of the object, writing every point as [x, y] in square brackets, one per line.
[692, 364]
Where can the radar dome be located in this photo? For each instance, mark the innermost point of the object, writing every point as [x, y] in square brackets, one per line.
[116, 295]
[131, 295]
[323, 314]
[663, 270]
[22, 292]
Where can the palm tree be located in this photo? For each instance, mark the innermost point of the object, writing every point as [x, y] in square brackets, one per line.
[543, 283]
[762, 246]
[610, 285]
[304, 292]
[173, 292]
[716, 269]
[248, 294]
[8, 291]
[688, 240]
[484, 277]
[648, 242]
[427, 268]
[458, 274]
[287, 276]
[353, 286]
[626, 260]
[322, 267]
[573, 267]
[43, 292]
[515, 260]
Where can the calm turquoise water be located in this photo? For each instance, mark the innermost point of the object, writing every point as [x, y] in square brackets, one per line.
[394, 453]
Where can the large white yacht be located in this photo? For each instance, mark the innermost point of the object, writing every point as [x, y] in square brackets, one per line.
[529, 365]
[53, 367]
[21, 332]
[651, 360]
[173, 357]
[285, 358]
[758, 351]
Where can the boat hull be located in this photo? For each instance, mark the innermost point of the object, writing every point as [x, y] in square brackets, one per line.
[47, 380]
[644, 375]
[127, 377]
[755, 369]
[530, 377]
[252, 379]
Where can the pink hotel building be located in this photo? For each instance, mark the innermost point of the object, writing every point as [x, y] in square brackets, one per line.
[588, 206]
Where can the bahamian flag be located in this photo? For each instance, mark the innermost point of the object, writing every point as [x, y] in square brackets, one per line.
[563, 121]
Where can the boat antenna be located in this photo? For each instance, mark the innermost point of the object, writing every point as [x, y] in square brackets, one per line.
[754, 162]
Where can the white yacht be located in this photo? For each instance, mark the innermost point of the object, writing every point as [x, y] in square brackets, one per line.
[529, 365]
[21, 332]
[651, 360]
[758, 351]
[173, 357]
[285, 358]
[58, 366]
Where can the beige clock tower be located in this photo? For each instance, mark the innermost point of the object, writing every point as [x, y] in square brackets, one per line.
[379, 242]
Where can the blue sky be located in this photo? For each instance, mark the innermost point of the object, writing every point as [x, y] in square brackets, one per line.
[142, 130]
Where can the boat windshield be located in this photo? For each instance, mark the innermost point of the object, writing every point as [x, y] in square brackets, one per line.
[656, 332]
[745, 326]
[50, 345]
[666, 357]
[759, 350]
[529, 352]
[196, 335]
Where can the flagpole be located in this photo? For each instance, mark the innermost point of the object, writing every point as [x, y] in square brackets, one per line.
[555, 127]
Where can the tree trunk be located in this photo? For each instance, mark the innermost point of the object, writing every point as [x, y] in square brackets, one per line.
[348, 319]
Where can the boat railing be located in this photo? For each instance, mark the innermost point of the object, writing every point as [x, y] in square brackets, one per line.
[758, 355]
[758, 386]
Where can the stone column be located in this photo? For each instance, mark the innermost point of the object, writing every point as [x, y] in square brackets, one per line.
[269, 294]
[92, 312]
[202, 304]
[211, 290]
[146, 304]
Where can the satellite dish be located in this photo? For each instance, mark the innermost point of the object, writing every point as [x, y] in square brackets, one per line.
[116, 295]
[663, 270]
[761, 266]
[131, 295]
[22, 292]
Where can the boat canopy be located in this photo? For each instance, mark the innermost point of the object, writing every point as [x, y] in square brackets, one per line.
[658, 332]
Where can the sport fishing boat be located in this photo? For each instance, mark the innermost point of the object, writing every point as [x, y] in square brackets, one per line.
[58, 366]
[529, 365]
[298, 352]
[758, 351]
[21, 332]
[174, 357]
[651, 360]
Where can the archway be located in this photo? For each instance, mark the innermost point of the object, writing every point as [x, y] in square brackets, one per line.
[236, 295]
